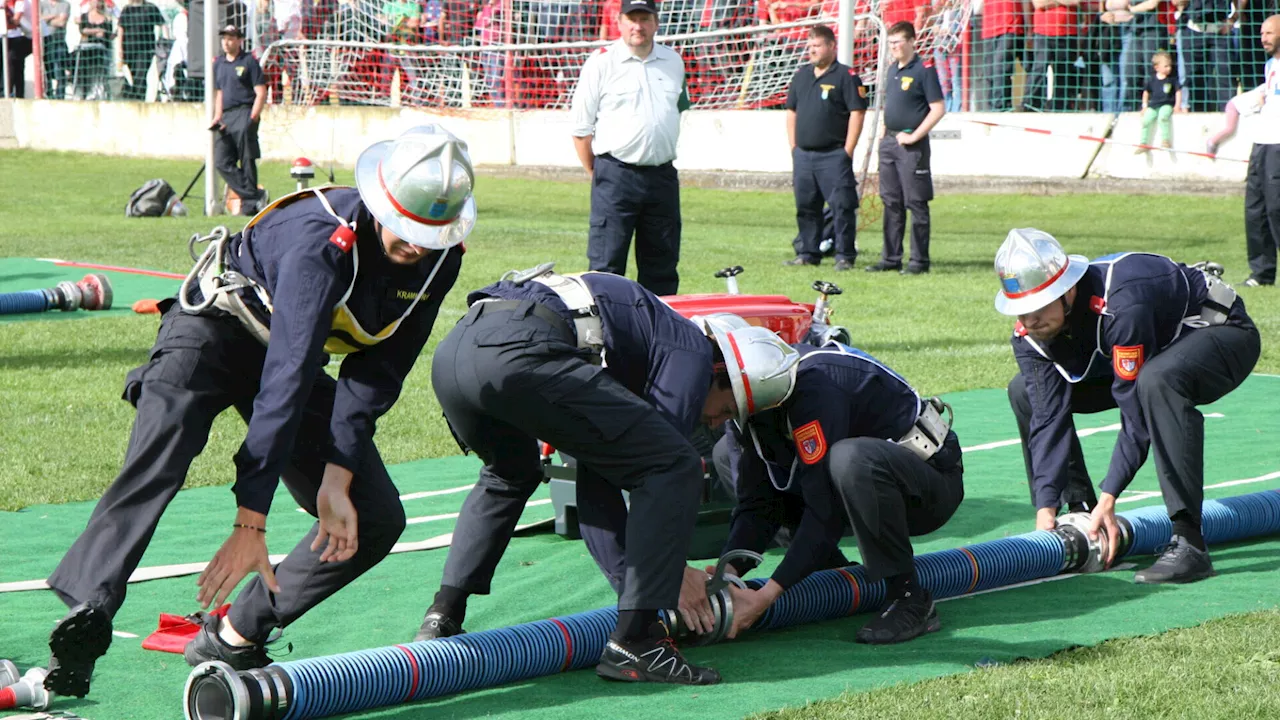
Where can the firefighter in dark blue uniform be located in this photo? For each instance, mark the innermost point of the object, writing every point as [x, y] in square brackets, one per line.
[1133, 331]
[601, 369]
[360, 272]
[840, 441]
[826, 103]
[913, 105]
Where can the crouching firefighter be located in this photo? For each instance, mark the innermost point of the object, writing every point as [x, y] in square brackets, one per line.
[356, 271]
[1134, 331]
[829, 439]
[601, 369]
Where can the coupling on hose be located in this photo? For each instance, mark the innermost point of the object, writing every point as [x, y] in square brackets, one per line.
[216, 691]
[721, 601]
[1084, 554]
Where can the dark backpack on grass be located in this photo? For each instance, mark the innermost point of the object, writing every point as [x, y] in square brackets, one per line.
[151, 200]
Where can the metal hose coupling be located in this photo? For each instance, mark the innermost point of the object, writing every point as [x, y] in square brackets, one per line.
[721, 601]
[1083, 554]
[216, 691]
[92, 292]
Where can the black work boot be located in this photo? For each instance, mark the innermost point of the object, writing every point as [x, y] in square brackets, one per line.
[437, 624]
[206, 646]
[76, 643]
[801, 260]
[908, 616]
[1179, 562]
[652, 659]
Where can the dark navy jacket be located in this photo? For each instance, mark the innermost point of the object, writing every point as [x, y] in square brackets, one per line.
[289, 252]
[651, 349]
[1129, 307]
[840, 393]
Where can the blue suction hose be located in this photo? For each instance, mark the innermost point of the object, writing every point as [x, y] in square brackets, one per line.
[355, 681]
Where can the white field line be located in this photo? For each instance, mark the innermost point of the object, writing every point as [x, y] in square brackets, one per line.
[1114, 427]
[433, 493]
[158, 572]
[427, 494]
[451, 516]
[1029, 583]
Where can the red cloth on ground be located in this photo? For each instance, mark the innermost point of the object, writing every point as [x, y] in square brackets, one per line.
[176, 631]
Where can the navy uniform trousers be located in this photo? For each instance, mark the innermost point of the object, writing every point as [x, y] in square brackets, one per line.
[200, 366]
[644, 201]
[509, 374]
[1262, 211]
[819, 176]
[236, 153]
[906, 183]
[1196, 370]
[889, 495]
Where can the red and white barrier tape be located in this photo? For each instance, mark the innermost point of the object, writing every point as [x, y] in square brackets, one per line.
[1107, 141]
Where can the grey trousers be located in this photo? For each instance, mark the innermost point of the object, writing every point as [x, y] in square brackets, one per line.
[199, 367]
[506, 377]
[1197, 369]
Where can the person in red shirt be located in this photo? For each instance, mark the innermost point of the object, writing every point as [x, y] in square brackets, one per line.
[896, 11]
[609, 11]
[1002, 22]
[1053, 43]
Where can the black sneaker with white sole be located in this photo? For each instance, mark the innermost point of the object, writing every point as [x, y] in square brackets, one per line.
[1179, 562]
[206, 646]
[651, 660]
[76, 643]
[909, 616]
[436, 624]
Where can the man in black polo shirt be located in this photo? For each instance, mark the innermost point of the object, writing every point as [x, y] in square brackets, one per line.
[825, 107]
[912, 106]
[241, 90]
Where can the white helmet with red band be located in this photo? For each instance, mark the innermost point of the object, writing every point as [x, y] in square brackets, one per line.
[1034, 271]
[762, 368]
[419, 186]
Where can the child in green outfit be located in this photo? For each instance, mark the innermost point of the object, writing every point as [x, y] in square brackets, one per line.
[1161, 97]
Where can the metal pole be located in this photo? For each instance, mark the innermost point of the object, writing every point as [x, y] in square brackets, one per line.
[37, 47]
[211, 41]
[4, 50]
[4, 57]
[844, 33]
[508, 63]
[966, 97]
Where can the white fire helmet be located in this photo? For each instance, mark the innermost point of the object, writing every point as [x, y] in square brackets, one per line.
[419, 186]
[762, 366]
[1034, 271]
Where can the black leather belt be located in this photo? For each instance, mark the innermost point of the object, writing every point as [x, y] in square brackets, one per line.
[613, 159]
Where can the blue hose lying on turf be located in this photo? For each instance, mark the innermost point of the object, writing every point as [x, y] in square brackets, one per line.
[326, 686]
[25, 301]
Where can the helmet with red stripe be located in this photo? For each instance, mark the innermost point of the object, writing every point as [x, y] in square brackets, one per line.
[419, 186]
[1034, 271]
[762, 366]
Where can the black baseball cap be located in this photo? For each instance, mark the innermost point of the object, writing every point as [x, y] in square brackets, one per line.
[645, 5]
[231, 30]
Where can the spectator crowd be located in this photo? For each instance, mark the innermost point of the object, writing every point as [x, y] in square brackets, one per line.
[1015, 55]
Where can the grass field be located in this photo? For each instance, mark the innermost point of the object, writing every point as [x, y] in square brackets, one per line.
[63, 427]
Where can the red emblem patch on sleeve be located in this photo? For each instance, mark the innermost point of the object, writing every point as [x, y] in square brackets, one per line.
[1126, 360]
[344, 237]
[811, 445]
